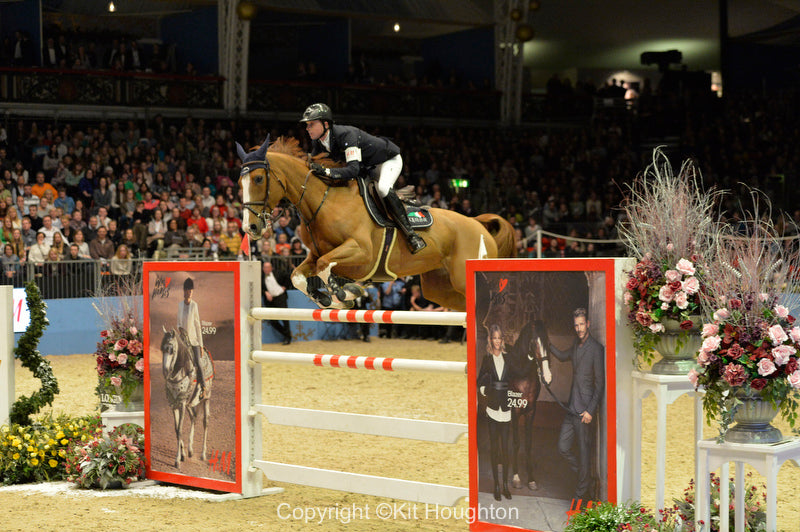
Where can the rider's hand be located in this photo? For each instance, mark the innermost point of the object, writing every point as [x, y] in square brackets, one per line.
[320, 170]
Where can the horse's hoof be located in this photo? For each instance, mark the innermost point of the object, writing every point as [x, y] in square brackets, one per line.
[356, 289]
[532, 485]
[516, 482]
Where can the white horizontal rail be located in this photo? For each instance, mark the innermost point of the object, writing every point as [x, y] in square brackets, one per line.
[391, 488]
[394, 427]
[361, 362]
[405, 317]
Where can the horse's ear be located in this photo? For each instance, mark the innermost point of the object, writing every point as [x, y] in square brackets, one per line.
[261, 154]
[163, 328]
[240, 151]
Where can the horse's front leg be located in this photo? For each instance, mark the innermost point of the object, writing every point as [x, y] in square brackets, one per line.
[301, 276]
[177, 414]
[192, 419]
[351, 253]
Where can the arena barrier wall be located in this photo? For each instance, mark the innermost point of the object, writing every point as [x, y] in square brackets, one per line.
[432, 431]
[6, 352]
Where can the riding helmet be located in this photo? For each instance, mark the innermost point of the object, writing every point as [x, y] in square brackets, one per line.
[317, 111]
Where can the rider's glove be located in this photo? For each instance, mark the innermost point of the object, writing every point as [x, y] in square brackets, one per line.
[320, 170]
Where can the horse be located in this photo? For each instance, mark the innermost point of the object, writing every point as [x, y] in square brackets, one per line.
[529, 353]
[182, 389]
[346, 246]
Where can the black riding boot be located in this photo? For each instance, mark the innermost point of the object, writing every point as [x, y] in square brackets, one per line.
[398, 212]
[201, 381]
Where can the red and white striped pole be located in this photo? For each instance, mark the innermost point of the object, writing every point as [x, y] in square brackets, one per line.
[404, 317]
[361, 362]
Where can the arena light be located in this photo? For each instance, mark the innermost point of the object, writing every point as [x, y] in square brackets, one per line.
[111, 7]
[396, 27]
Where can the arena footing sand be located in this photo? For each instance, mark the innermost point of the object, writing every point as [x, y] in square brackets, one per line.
[438, 397]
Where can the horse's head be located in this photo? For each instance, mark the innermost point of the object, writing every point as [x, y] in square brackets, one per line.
[169, 349]
[255, 182]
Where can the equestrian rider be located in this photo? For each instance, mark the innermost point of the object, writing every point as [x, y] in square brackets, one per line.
[359, 150]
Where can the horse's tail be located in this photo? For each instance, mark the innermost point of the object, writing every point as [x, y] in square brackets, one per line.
[503, 233]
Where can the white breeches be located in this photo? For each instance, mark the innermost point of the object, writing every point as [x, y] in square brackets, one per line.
[388, 172]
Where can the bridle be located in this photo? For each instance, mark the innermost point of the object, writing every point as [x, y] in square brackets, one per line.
[265, 214]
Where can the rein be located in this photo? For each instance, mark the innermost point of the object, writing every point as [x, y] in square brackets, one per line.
[262, 210]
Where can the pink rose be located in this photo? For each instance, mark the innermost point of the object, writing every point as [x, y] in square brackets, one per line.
[112, 357]
[133, 331]
[672, 275]
[666, 294]
[735, 375]
[685, 267]
[691, 285]
[704, 358]
[781, 311]
[782, 353]
[794, 379]
[627, 298]
[116, 381]
[709, 329]
[794, 334]
[122, 359]
[766, 367]
[670, 246]
[763, 296]
[711, 343]
[664, 306]
[657, 327]
[777, 334]
[120, 345]
[693, 376]
[140, 365]
[681, 300]
[722, 314]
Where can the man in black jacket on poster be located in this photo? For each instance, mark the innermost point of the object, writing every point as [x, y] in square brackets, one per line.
[273, 294]
[586, 393]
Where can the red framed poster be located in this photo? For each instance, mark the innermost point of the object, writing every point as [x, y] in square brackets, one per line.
[542, 408]
[192, 331]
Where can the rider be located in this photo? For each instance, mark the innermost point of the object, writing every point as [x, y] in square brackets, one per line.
[358, 150]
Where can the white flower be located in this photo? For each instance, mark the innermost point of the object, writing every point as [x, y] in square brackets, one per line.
[657, 327]
[693, 375]
[681, 300]
[666, 294]
[782, 353]
[766, 367]
[794, 334]
[691, 285]
[685, 267]
[709, 329]
[777, 334]
[664, 306]
[722, 314]
[794, 379]
[711, 343]
[781, 311]
[672, 275]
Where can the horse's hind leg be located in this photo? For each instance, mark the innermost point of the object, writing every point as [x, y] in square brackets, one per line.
[206, 414]
[436, 286]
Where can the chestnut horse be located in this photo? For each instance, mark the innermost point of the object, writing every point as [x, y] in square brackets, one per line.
[346, 244]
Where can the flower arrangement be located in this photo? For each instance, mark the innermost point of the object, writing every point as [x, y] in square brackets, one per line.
[105, 461]
[671, 243]
[657, 292]
[751, 342]
[120, 351]
[754, 498]
[120, 358]
[610, 517]
[38, 452]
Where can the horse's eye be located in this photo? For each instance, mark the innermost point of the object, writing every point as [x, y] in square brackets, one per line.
[259, 179]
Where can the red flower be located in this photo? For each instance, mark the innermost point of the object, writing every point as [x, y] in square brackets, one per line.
[632, 284]
[735, 351]
[735, 303]
[687, 324]
[758, 384]
[103, 333]
[735, 374]
[674, 285]
[791, 366]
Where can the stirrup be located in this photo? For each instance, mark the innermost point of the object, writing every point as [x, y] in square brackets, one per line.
[416, 243]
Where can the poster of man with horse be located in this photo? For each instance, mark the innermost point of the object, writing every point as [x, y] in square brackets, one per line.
[542, 412]
[191, 374]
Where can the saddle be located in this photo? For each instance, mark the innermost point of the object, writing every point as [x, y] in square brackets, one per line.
[419, 215]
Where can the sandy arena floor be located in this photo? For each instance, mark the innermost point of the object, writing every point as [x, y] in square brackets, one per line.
[415, 395]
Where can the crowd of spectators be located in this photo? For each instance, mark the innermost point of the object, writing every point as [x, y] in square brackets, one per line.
[116, 191]
[70, 50]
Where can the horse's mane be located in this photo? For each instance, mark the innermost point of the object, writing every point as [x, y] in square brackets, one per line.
[291, 146]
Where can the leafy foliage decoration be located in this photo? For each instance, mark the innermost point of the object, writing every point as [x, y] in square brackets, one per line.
[31, 358]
